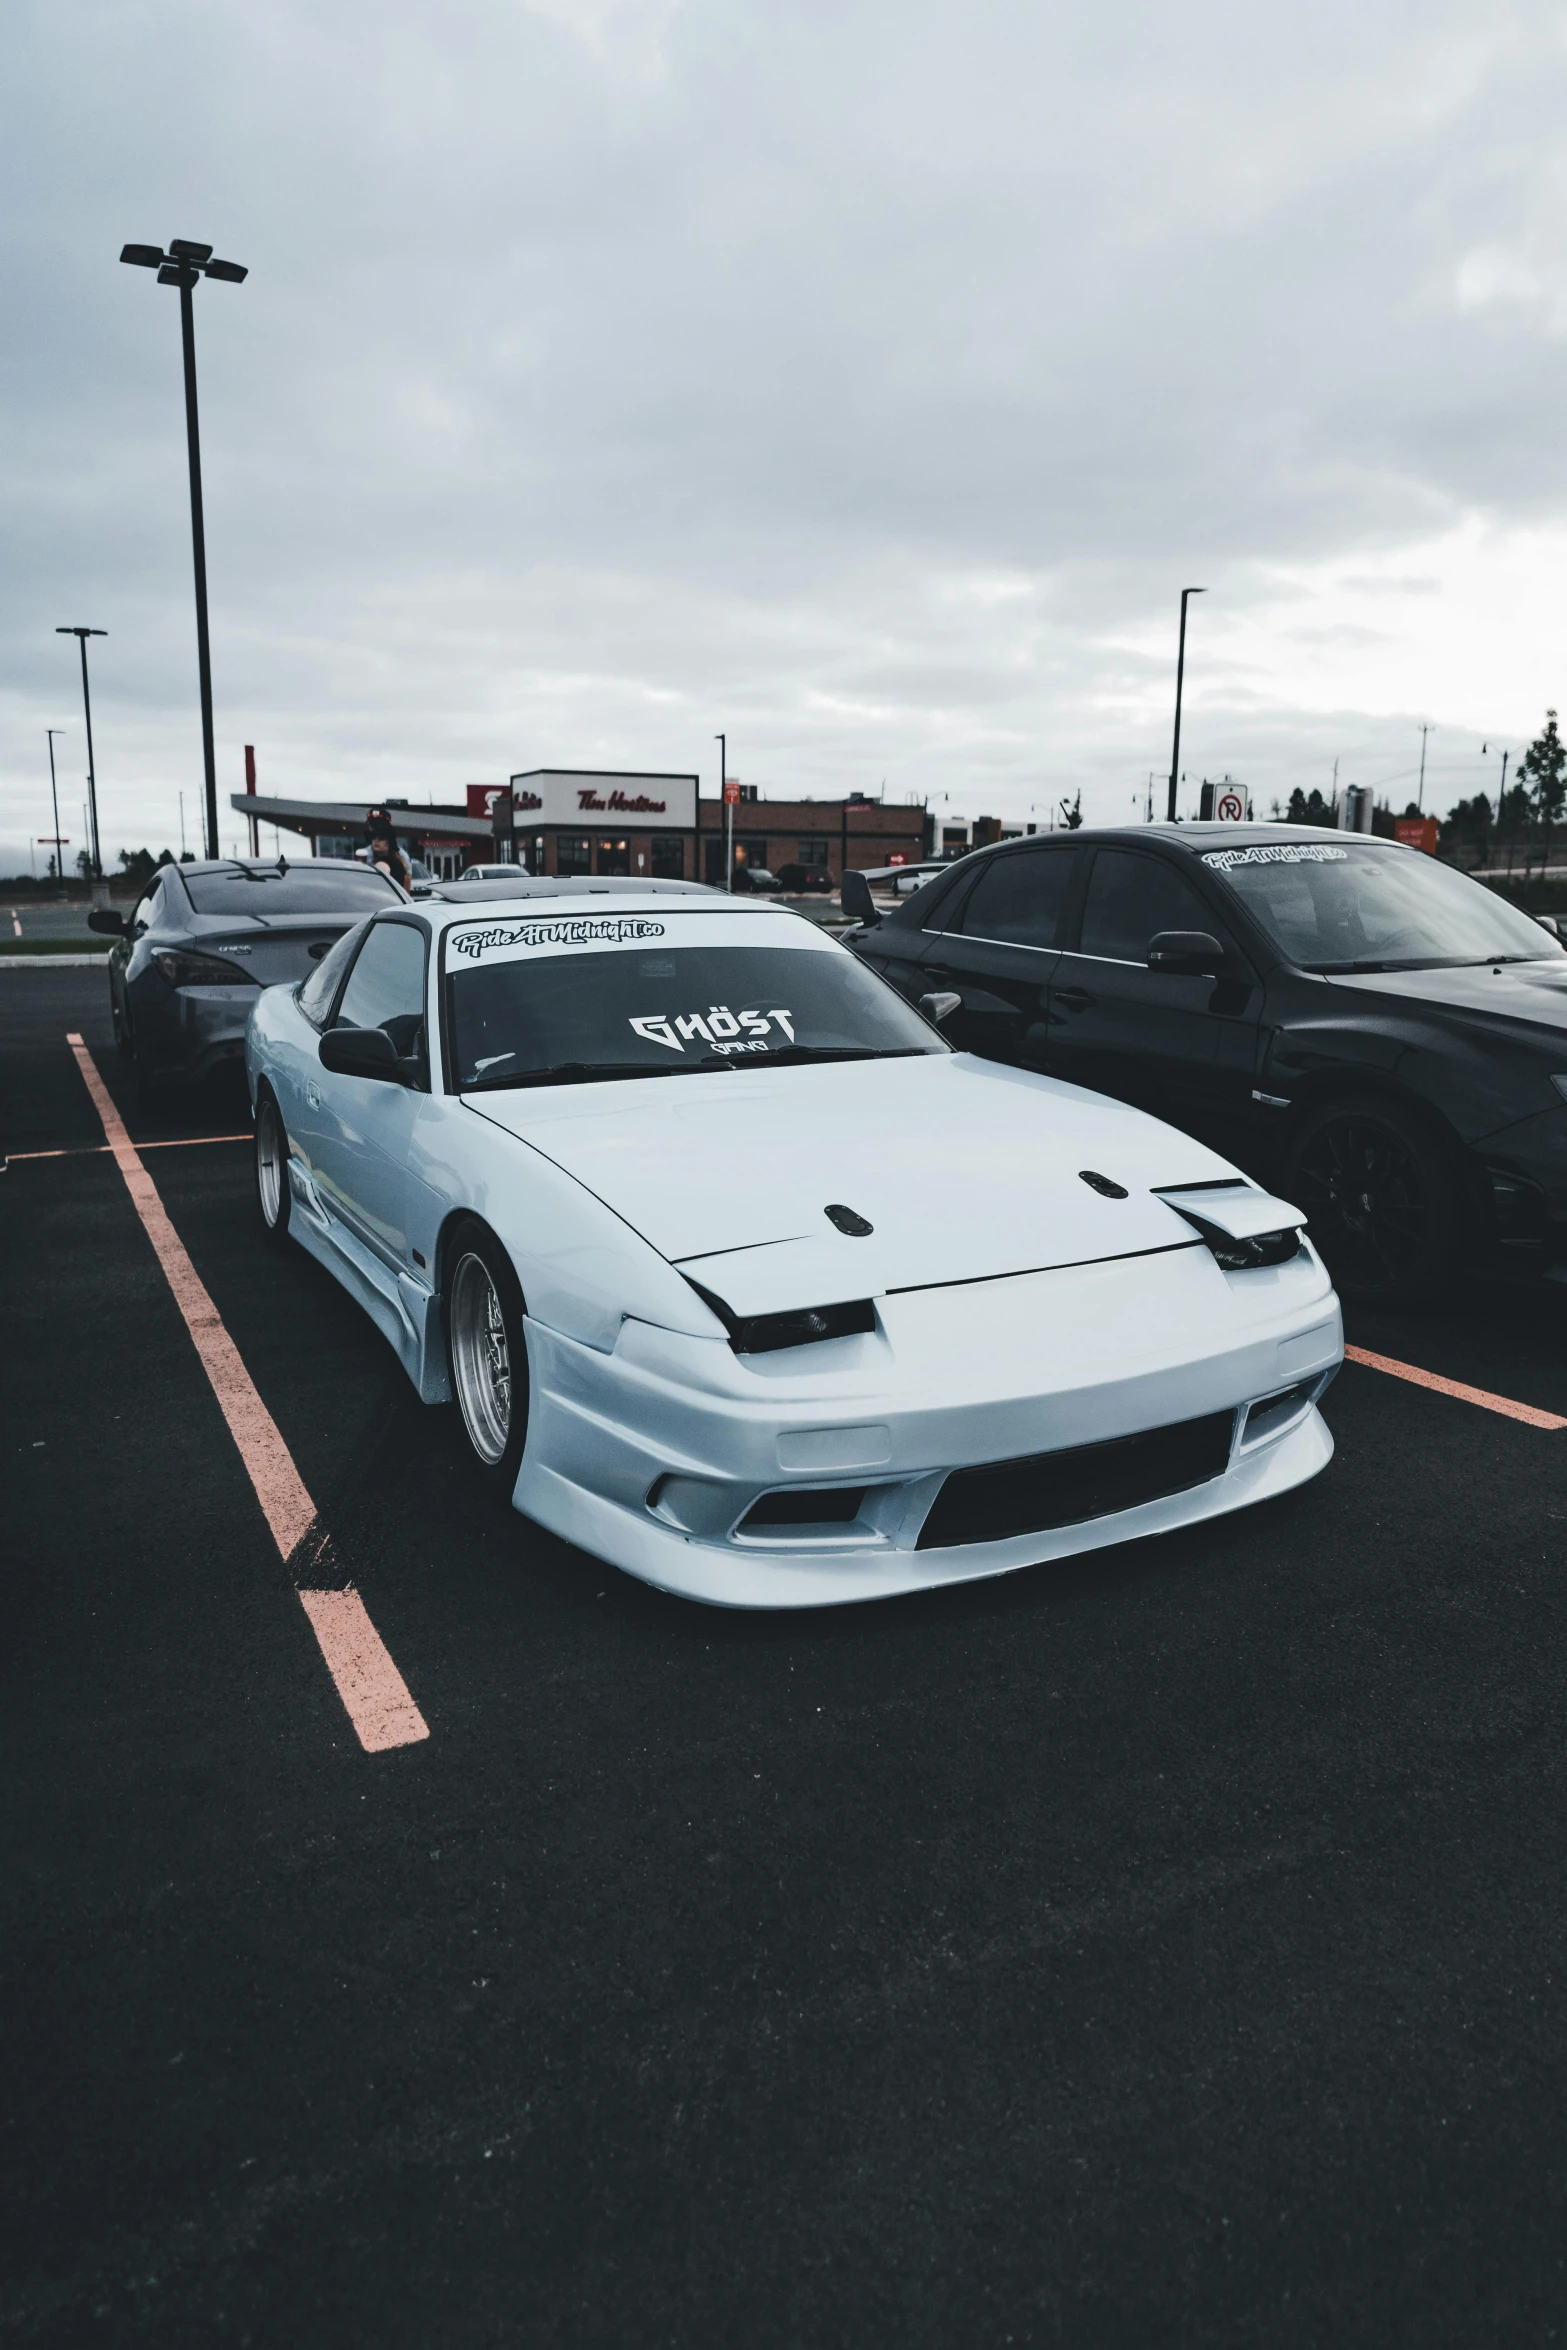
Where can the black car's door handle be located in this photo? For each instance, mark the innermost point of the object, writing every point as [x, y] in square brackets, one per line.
[1073, 999]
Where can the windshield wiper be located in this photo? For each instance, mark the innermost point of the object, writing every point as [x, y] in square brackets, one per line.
[795, 1053]
[568, 1073]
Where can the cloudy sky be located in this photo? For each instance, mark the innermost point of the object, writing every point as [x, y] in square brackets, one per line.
[865, 377]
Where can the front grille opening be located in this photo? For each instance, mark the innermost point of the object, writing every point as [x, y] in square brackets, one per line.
[804, 1505]
[1048, 1489]
[1271, 1411]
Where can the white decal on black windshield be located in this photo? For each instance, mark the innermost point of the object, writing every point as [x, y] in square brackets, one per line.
[1292, 852]
[721, 1030]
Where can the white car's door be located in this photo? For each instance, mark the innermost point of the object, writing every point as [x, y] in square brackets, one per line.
[366, 1124]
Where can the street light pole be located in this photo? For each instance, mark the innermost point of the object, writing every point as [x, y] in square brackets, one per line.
[1180, 678]
[181, 266]
[54, 802]
[722, 741]
[81, 635]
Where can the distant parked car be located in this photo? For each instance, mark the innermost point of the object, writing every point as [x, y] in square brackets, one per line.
[757, 880]
[202, 940]
[1378, 1035]
[801, 880]
[491, 872]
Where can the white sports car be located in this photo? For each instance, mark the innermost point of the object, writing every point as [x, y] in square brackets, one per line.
[743, 1280]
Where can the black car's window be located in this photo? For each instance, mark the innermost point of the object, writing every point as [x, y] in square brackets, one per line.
[1018, 899]
[386, 985]
[316, 993]
[1338, 909]
[147, 911]
[667, 1011]
[262, 892]
[1131, 898]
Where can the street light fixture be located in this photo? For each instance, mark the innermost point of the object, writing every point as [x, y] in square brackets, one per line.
[1180, 677]
[81, 635]
[181, 266]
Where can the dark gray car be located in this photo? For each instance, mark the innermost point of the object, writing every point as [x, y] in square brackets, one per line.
[203, 939]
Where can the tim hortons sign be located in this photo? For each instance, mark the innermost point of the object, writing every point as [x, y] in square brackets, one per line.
[651, 803]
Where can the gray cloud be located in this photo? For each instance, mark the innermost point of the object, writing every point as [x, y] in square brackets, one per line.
[865, 378]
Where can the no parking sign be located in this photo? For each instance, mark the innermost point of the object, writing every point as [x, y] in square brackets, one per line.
[1230, 807]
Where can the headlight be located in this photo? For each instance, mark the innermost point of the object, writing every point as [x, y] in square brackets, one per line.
[183, 969]
[1263, 1248]
[764, 1334]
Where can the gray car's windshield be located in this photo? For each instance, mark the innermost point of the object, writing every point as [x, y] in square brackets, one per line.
[1360, 908]
[578, 1018]
[263, 892]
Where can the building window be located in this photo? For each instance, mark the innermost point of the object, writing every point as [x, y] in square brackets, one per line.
[573, 852]
[614, 856]
[812, 853]
[669, 856]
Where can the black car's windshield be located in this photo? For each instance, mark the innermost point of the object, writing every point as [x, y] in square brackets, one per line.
[641, 1005]
[264, 893]
[1361, 908]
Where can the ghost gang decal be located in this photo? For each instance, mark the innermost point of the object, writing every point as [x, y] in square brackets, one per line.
[718, 1029]
[582, 930]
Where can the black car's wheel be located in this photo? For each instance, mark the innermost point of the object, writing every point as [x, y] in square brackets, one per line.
[1382, 1201]
[272, 1193]
[487, 1353]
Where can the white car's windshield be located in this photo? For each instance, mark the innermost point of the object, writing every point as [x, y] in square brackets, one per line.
[524, 1009]
[1366, 909]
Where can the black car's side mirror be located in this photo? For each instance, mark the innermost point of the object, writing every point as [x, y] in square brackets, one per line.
[854, 895]
[362, 1052]
[941, 1005]
[108, 920]
[1195, 952]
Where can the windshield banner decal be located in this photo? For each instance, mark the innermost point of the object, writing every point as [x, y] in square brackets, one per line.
[579, 930]
[721, 1030]
[1290, 852]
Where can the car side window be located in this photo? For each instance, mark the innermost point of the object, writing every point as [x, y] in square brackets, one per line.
[1130, 899]
[146, 913]
[316, 993]
[386, 986]
[1019, 898]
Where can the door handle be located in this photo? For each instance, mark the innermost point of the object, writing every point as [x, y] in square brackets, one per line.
[1073, 999]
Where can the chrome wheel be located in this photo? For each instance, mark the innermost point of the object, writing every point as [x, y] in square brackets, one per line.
[271, 1163]
[481, 1359]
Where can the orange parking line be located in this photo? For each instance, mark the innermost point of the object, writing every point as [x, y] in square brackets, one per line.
[96, 1150]
[369, 1684]
[1529, 1413]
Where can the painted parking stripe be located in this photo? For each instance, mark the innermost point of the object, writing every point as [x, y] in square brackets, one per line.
[1529, 1413]
[369, 1684]
[97, 1150]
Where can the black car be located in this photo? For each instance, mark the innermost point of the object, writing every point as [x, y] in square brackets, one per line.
[1367, 1030]
[203, 939]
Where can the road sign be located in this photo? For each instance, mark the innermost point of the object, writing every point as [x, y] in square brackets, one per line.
[1230, 807]
[731, 791]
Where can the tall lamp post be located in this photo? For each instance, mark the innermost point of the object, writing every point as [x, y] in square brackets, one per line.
[181, 266]
[54, 802]
[1180, 679]
[722, 741]
[81, 635]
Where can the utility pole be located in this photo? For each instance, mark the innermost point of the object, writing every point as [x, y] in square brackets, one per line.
[54, 802]
[722, 741]
[81, 635]
[1180, 677]
[1420, 796]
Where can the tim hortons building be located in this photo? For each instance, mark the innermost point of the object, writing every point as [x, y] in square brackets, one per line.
[566, 820]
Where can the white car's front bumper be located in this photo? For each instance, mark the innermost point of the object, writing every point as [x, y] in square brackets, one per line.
[652, 1457]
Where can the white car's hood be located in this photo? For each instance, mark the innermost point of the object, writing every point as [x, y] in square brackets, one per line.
[965, 1170]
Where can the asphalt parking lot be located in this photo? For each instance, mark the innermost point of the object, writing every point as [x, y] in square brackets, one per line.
[1165, 1947]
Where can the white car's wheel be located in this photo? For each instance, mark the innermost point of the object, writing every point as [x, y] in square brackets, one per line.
[487, 1352]
[272, 1193]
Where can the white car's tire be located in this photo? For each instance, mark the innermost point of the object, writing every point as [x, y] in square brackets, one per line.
[486, 1352]
[273, 1200]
